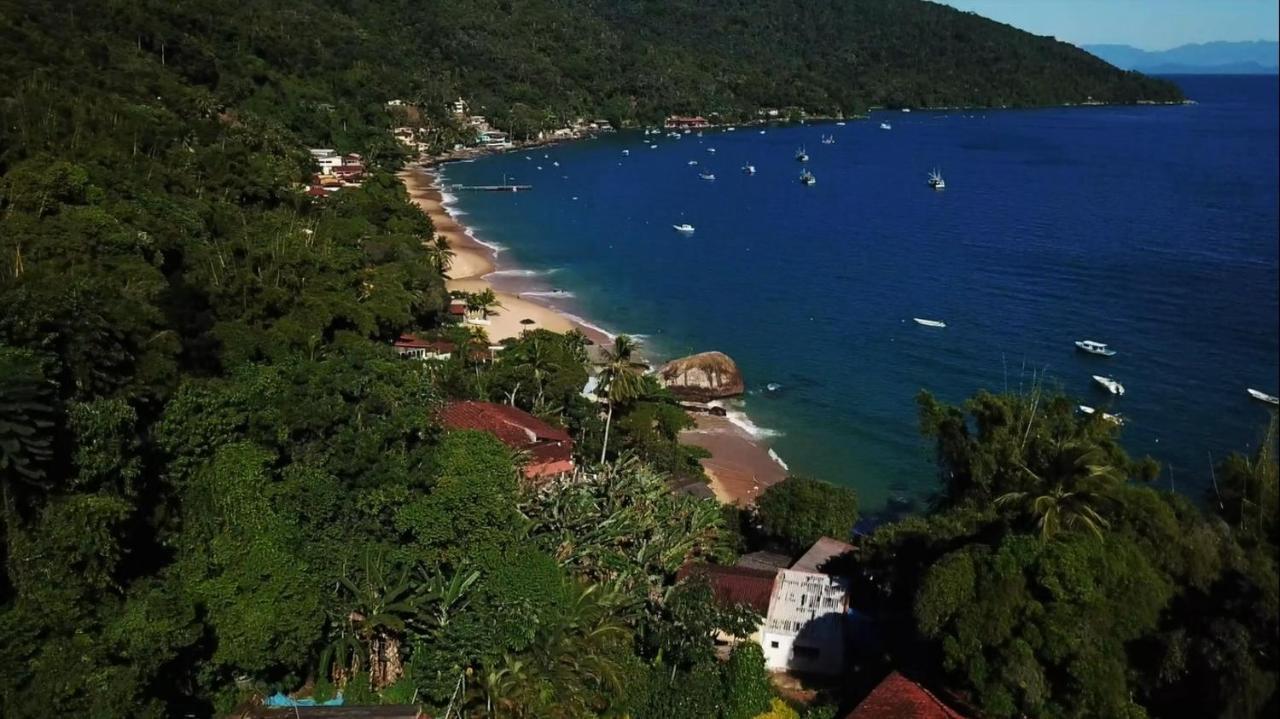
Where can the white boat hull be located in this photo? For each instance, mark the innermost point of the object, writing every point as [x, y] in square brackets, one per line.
[1111, 385]
[929, 323]
[1264, 397]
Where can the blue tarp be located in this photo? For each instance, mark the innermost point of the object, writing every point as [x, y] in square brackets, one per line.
[278, 700]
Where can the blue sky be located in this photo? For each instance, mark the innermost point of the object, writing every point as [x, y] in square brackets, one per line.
[1148, 24]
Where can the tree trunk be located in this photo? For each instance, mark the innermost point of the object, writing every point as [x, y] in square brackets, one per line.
[604, 449]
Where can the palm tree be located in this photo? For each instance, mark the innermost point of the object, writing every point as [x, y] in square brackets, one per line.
[440, 253]
[619, 381]
[1076, 472]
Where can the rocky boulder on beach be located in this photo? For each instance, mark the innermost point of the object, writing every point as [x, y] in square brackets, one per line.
[702, 377]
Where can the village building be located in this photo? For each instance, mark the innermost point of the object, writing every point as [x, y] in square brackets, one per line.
[417, 348]
[681, 122]
[805, 627]
[897, 697]
[549, 449]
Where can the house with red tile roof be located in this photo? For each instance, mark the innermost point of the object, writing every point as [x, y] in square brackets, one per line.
[549, 449]
[734, 585]
[897, 697]
[417, 348]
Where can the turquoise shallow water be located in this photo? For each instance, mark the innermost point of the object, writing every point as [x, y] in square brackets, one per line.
[1151, 228]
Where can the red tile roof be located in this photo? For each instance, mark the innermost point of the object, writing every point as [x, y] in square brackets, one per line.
[415, 342]
[550, 448]
[735, 585]
[897, 697]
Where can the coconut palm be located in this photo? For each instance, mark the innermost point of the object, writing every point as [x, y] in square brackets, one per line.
[440, 253]
[620, 383]
[1076, 473]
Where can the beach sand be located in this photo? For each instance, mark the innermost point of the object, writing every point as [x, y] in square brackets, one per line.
[740, 466]
[472, 261]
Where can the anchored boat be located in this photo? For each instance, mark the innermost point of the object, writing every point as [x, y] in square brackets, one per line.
[936, 181]
[1263, 396]
[684, 228]
[929, 323]
[1095, 348]
[1111, 385]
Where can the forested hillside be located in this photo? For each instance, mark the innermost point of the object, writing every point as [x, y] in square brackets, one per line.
[219, 481]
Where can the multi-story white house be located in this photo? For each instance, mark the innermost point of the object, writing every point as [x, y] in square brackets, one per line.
[805, 625]
[804, 630]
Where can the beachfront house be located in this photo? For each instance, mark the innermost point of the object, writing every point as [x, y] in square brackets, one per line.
[494, 139]
[415, 347]
[682, 122]
[805, 627]
[548, 450]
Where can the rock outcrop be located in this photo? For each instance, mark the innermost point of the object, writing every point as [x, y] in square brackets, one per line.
[702, 377]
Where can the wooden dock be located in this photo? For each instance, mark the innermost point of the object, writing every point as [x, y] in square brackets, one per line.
[493, 188]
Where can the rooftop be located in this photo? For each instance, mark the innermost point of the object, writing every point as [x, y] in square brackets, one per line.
[735, 585]
[550, 448]
[771, 561]
[822, 551]
[897, 697]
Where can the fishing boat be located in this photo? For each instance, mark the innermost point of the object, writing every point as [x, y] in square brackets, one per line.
[707, 175]
[1263, 396]
[801, 155]
[807, 178]
[685, 228]
[1112, 418]
[930, 323]
[936, 181]
[828, 139]
[885, 126]
[1095, 348]
[624, 153]
[1111, 385]
[749, 169]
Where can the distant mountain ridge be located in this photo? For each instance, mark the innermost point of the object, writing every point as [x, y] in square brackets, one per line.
[1257, 57]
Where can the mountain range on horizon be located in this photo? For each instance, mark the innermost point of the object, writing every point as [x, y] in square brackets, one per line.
[1257, 57]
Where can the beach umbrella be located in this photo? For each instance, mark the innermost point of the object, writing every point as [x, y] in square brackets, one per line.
[527, 321]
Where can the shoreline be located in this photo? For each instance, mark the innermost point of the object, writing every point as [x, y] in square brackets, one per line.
[740, 466]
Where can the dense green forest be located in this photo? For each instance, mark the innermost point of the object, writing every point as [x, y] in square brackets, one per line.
[219, 481]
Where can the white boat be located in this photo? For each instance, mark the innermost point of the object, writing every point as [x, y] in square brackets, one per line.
[762, 132]
[929, 323]
[1260, 395]
[687, 131]
[839, 124]
[624, 153]
[1112, 418]
[807, 178]
[885, 126]
[730, 129]
[712, 150]
[906, 109]
[693, 162]
[801, 155]
[654, 146]
[749, 169]
[936, 181]
[556, 163]
[1095, 348]
[707, 175]
[1112, 386]
[686, 228]
[828, 139]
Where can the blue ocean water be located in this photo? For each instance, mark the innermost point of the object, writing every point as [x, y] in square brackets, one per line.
[1151, 228]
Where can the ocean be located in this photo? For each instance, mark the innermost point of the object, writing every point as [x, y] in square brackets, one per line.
[1153, 229]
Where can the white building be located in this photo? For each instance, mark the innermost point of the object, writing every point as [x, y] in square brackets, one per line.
[804, 629]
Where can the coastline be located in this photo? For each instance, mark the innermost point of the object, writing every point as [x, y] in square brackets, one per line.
[741, 465]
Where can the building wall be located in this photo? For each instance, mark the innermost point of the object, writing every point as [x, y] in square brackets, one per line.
[806, 623]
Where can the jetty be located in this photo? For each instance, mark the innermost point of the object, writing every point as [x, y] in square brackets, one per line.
[492, 188]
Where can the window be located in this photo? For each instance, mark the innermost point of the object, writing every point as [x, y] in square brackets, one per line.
[773, 645]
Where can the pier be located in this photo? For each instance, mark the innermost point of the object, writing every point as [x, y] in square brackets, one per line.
[493, 188]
